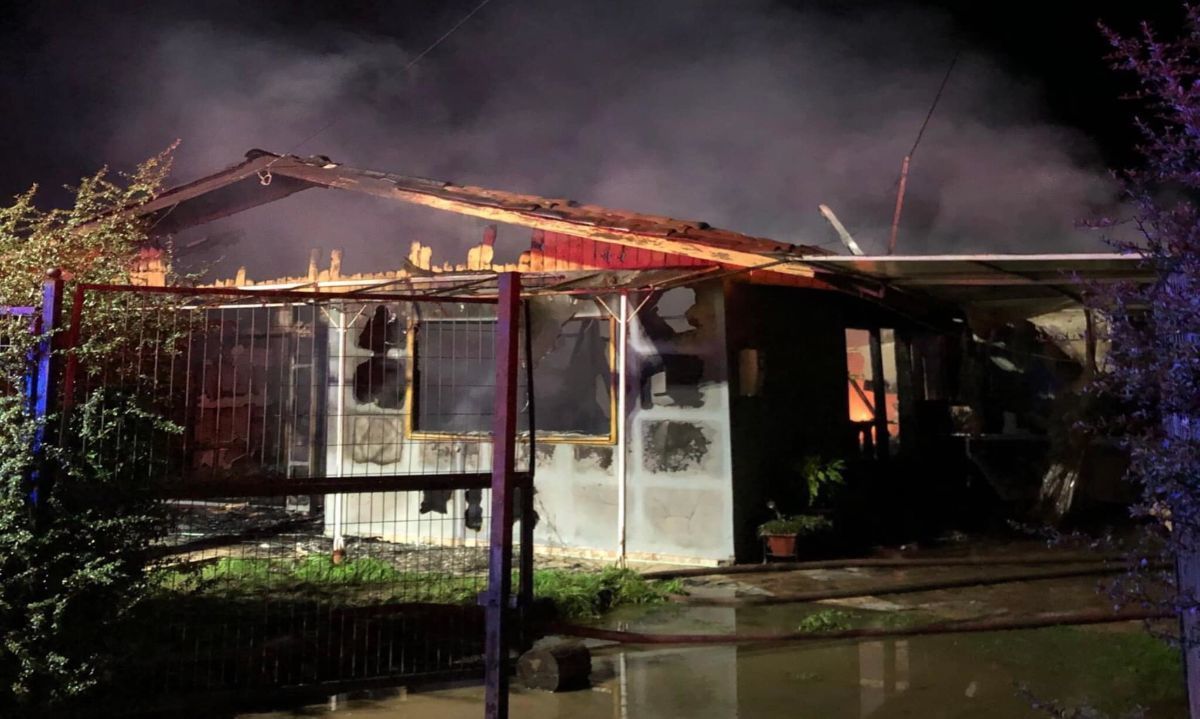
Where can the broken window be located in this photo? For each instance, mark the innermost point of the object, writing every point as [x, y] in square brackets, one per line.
[454, 387]
[381, 378]
[573, 382]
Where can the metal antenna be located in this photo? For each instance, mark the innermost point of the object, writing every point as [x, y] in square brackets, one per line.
[908, 158]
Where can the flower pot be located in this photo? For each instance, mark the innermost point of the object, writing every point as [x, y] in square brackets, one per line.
[781, 545]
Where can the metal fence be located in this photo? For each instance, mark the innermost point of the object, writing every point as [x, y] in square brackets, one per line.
[326, 462]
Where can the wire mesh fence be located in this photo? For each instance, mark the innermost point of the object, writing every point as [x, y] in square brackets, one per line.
[259, 597]
[324, 464]
[272, 391]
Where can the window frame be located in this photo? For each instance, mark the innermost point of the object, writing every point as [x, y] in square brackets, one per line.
[410, 394]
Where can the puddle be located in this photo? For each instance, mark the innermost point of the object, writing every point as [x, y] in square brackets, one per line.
[978, 675]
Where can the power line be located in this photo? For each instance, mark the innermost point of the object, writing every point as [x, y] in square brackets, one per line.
[934, 104]
[411, 63]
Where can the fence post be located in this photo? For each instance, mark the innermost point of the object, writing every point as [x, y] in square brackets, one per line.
[45, 375]
[504, 431]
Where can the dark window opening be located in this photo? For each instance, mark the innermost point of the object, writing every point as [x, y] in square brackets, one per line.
[454, 386]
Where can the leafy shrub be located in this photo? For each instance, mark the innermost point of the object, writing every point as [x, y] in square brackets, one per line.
[820, 476]
[72, 577]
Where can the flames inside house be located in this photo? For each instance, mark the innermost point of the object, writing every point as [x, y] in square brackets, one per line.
[680, 376]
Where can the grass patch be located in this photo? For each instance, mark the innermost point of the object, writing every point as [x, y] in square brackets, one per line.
[575, 594]
[316, 576]
[827, 620]
[579, 595]
[838, 620]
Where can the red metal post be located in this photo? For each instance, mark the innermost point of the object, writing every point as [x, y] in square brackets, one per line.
[504, 435]
[72, 347]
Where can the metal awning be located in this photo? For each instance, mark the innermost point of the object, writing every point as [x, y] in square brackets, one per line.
[1027, 281]
[484, 283]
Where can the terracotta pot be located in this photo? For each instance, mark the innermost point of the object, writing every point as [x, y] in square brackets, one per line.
[781, 545]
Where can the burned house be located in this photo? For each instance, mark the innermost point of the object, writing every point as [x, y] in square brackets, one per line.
[680, 373]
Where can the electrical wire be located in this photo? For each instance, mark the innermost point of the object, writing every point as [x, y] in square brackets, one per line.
[933, 106]
[411, 63]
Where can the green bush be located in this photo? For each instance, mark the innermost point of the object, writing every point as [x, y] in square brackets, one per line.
[71, 575]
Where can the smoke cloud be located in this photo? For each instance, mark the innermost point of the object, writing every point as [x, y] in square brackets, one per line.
[746, 115]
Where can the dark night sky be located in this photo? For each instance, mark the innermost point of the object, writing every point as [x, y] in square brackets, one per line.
[86, 85]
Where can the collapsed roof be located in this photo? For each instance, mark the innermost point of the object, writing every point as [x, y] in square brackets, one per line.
[1024, 283]
[265, 177]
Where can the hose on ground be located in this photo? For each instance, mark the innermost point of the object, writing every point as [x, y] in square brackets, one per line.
[1028, 559]
[1037, 621]
[894, 588]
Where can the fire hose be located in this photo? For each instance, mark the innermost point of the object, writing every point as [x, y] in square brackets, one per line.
[992, 624]
[1028, 559]
[908, 588]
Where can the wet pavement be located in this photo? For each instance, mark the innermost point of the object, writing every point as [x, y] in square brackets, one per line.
[1113, 668]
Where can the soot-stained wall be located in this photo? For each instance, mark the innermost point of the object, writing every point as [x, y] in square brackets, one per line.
[679, 499]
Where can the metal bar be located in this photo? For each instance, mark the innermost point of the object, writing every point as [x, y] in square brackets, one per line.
[318, 358]
[340, 431]
[525, 588]
[504, 434]
[276, 294]
[273, 486]
[907, 393]
[622, 439]
[877, 380]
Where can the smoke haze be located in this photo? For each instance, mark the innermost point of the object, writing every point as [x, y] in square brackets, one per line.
[746, 115]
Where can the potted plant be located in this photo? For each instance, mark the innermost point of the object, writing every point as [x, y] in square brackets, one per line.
[781, 535]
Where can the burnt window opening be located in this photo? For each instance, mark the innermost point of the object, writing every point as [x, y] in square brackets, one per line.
[380, 380]
[382, 332]
[673, 380]
[573, 382]
[454, 381]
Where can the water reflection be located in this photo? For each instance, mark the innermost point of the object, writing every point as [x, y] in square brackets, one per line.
[934, 676]
[943, 676]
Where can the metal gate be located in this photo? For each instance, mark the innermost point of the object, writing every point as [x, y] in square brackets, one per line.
[340, 473]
